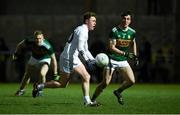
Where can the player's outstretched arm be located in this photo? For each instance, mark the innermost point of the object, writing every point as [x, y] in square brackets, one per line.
[54, 64]
[18, 51]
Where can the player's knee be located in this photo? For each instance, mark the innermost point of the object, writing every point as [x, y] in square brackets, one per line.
[105, 84]
[42, 75]
[86, 78]
[26, 76]
[63, 85]
[131, 82]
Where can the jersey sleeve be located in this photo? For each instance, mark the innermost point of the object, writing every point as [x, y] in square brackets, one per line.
[88, 53]
[83, 47]
[51, 51]
[52, 47]
[134, 35]
[49, 45]
[81, 41]
[112, 34]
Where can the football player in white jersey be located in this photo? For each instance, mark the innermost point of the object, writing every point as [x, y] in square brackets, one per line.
[70, 61]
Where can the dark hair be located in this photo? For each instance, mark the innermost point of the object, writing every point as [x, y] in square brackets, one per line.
[37, 32]
[125, 13]
[88, 15]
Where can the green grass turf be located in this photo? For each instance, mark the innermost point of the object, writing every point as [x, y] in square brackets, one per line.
[139, 99]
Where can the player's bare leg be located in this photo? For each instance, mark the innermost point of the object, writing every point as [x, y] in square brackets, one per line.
[42, 75]
[43, 71]
[128, 82]
[129, 78]
[62, 83]
[85, 82]
[25, 80]
[107, 76]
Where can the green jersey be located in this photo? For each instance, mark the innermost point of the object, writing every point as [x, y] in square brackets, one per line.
[123, 39]
[45, 50]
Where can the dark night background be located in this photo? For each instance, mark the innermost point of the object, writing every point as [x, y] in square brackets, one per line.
[155, 21]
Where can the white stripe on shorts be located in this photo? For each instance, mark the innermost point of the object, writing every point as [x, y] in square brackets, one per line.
[33, 61]
[118, 64]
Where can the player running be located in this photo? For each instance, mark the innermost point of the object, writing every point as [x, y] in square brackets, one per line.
[42, 55]
[120, 39]
[77, 45]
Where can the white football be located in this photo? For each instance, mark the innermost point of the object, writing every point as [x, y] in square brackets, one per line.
[102, 60]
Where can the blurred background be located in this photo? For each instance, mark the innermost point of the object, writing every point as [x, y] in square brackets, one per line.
[155, 21]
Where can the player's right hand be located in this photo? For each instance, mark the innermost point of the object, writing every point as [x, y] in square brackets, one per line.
[91, 66]
[14, 56]
[136, 61]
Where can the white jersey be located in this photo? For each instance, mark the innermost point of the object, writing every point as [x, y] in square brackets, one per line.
[77, 42]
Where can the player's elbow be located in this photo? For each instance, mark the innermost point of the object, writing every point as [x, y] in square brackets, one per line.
[111, 47]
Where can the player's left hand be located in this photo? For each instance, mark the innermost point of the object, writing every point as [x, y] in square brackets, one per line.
[56, 77]
[130, 55]
[133, 57]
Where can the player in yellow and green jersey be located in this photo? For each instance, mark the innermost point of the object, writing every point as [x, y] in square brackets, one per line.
[121, 38]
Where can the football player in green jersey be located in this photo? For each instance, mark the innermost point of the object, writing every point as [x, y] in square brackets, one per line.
[42, 56]
[121, 38]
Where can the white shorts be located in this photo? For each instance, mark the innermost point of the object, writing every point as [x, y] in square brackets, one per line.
[67, 65]
[35, 62]
[118, 64]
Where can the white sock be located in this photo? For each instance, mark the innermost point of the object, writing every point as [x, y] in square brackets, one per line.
[40, 86]
[22, 90]
[87, 99]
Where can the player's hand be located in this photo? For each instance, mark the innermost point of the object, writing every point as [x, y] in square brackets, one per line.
[15, 56]
[130, 55]
[136, 61]
[91, 66]
[56, 77]
[133, 57]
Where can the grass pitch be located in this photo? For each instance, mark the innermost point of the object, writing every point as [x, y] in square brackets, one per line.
[139, 99]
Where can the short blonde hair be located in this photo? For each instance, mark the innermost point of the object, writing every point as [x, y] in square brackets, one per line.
[37, 32]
